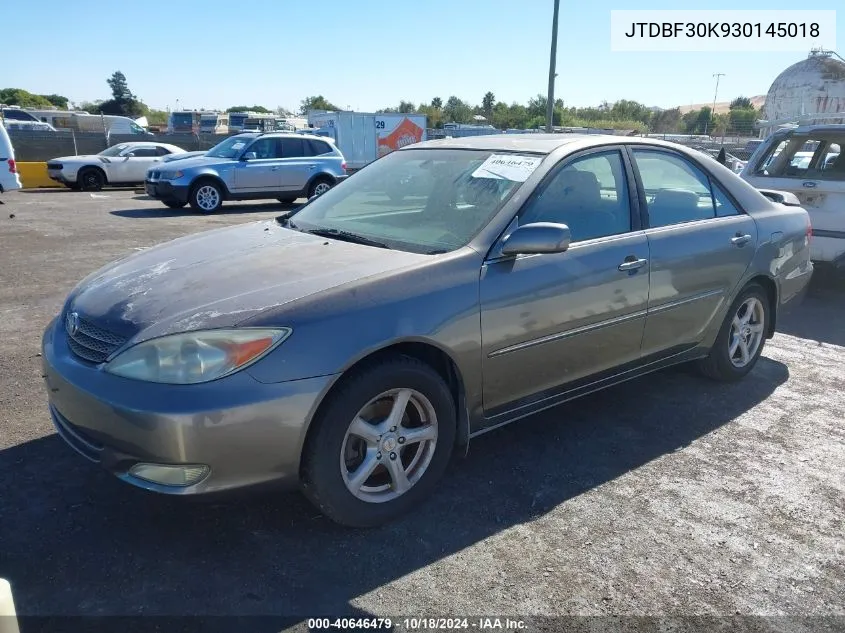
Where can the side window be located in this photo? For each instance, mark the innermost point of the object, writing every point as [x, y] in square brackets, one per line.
[589, 195]
[143, 152]
[724, 206]
[291, 147]
[265, 148]
[319, 147]
[675, 191]
[162, 151]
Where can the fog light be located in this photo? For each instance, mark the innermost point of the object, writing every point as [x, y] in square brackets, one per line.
[186, 475]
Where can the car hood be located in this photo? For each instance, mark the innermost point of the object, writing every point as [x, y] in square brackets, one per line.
[220, 278]
[198, 161]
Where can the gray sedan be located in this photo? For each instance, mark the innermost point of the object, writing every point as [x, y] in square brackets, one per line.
[349, 347]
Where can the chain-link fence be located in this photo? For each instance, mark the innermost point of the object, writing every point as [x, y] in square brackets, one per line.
[40, 146]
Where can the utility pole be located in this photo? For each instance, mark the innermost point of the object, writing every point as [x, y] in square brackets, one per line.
[715, 94]
[550, 105]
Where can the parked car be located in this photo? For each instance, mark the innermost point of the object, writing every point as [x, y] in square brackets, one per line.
[349, 345]
[122, 164]
[807, 162]
[9, 177]
[250, 166]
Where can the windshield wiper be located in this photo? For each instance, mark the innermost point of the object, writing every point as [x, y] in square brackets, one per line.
[284, 218]
[347, 236]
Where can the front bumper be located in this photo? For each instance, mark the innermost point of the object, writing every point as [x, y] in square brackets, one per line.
[246, 432]
[166, 190]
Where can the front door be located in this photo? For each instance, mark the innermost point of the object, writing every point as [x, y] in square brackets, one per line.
[260, 172]
[701, 244]
[550, 320]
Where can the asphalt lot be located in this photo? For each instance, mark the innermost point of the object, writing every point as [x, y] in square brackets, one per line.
[666, 496]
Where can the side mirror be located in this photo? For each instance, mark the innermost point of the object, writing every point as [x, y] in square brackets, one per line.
[537, 237]
[249, 156]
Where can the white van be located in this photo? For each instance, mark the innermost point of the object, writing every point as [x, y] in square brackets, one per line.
[9, 177]
[81, 121]
[807, 161]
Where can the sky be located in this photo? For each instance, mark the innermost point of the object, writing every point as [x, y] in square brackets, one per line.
[366, 54]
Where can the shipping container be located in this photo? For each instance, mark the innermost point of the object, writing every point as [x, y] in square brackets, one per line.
[364, 137]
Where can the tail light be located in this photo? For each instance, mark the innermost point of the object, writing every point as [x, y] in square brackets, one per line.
[13, 169]
[343, 166]
[809, 231]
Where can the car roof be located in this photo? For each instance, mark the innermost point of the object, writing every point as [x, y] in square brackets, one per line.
[539, 143]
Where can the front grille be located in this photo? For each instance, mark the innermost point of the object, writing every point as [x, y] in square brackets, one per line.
[54, 165]
[88, 341]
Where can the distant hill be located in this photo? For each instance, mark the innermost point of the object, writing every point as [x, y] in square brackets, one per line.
[723, 106]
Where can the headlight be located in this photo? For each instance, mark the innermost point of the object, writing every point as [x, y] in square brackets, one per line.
[172, 174]
[194, 357]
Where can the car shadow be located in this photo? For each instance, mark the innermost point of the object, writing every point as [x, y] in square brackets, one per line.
[161, 211]
[78, 541]
[72, 191]
[812, 319]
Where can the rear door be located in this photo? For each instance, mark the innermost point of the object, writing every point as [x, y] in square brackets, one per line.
[297, 165]
[812, 166]
[700, 243]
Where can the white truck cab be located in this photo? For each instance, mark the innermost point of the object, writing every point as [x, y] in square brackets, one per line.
[807, 161]
[9, 177]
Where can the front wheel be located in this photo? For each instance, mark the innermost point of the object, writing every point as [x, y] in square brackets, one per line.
[206, 197]
[740, 341]
[380, 443]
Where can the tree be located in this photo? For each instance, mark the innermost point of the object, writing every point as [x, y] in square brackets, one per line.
[487, 104]
[89, 106]
[437, 103]
[457, 111]
[666, 121]
[123, 102]
[742, 103]
[252, 108]
[57, 100]
[23, 98]
[318, 102]
[406, 107]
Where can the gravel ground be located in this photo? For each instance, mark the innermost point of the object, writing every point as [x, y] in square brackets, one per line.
[667, 496]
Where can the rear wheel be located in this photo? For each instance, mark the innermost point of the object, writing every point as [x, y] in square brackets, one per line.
[91, 179]
[740, 341]
[380, 443]
[206, 197]
[319, 187]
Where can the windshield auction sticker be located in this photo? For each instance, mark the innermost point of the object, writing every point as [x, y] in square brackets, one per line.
[512, 167]
[722, 30]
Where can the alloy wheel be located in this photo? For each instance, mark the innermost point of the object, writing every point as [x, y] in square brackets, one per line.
[746, 332]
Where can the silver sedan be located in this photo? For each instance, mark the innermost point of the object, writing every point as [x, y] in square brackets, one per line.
[350, 345]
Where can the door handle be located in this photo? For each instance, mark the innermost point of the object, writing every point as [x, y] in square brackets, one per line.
[274, 169]
[312, 166]
[632, 264]
[740, 240]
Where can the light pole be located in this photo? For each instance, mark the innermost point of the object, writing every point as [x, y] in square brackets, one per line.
[715, 94]
[550, 105]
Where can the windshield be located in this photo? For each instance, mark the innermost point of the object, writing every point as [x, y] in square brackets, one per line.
[421, 200]
[114, 150]
[229, 148]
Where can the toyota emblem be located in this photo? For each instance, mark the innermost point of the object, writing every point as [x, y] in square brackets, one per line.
[73, 323]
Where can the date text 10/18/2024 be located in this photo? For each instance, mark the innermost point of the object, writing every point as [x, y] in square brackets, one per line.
[416, 624]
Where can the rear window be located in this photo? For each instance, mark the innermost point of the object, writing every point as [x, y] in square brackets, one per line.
[318, 148]
[803, 157]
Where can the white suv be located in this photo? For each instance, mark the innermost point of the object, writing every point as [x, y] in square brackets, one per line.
[808, 162]
[9, 178]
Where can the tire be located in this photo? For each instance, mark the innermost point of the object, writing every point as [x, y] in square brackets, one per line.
[206, 196]
[174, 204]
[319, 187]
[287, 199]
[723, 365]
[327, 480]
[91, 179]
